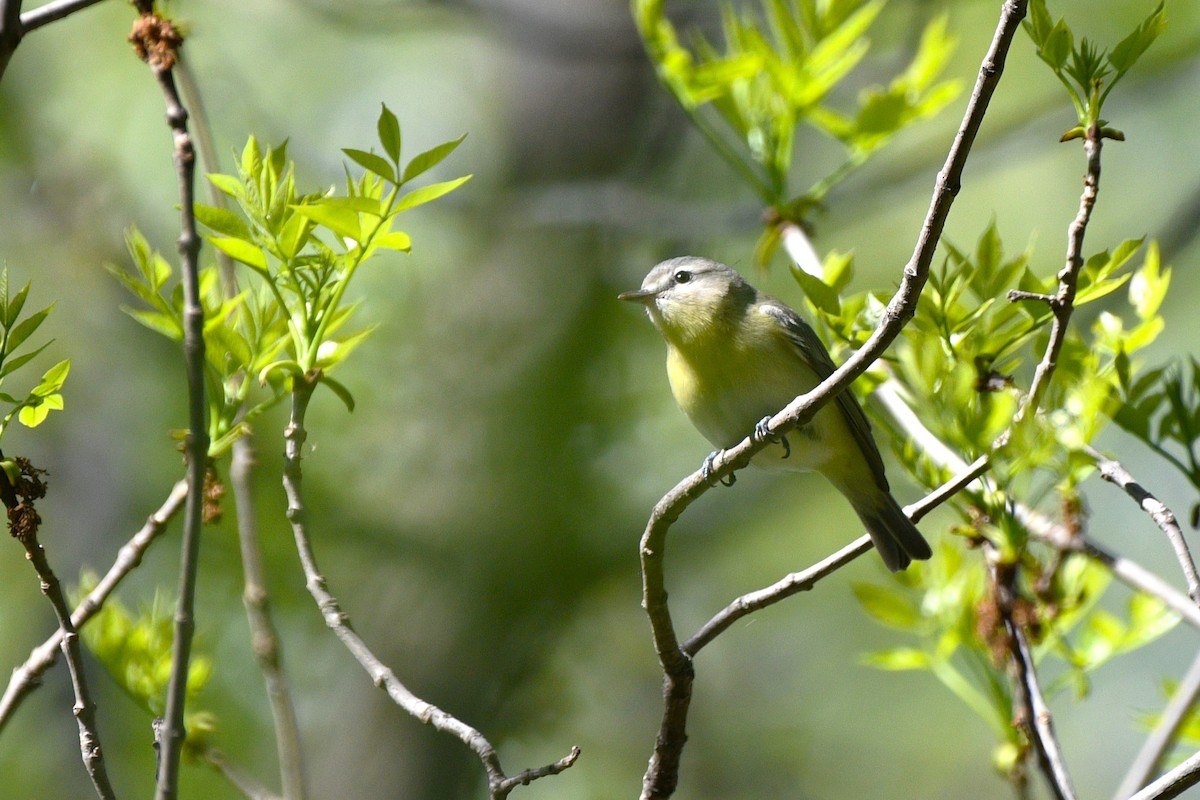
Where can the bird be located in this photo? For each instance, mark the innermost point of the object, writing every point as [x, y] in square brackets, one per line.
[736, 357]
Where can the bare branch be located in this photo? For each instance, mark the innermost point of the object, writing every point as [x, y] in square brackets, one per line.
[27, 677]
[499, 784]
[156, 40]
[1113, 472]
[85, 707]
[661, 776]
[11, 31]
[1174, 783]
[1030, 709]
[1062, 304]
[1155, 748]
[264, 640]
[52, 12]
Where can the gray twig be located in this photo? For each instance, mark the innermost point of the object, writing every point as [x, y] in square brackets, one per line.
[27, 677]
[1146, 765]
[157, 41]
[1029, 704]
[662, 774]
[499, 784]
[1116, 474]
[85, 707]
[1174, 783]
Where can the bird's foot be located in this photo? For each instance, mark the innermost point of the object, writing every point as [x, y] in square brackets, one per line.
[707, 469]
[762, 433]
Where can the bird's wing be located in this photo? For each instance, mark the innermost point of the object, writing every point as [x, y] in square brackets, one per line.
[814, 353]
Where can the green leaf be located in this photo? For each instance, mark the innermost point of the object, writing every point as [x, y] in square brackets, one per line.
[888, 606]
[341, 391]
[35, 414]
[389, 133]
[824, 297]
[12, 309]
[1130, 49]
[430, 158]
[53, 379]
[428, 193]
[24, 329]
[13, 364]
[337, 217]
[228, 185]
[395, 240]
[373, 163]
[222, 221]
[157, 321]
[243, 251]
[898, 658]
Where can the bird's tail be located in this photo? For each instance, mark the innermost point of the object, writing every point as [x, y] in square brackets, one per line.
[896, 538]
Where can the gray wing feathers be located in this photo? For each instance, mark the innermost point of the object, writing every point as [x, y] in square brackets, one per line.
[806, 339]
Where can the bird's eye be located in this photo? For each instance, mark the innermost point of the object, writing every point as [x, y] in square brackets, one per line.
[683, 276]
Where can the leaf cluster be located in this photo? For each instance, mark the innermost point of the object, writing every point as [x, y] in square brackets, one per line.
[32, 409]
[779, 68]
[136, 651]
[287, 322]
[1088, 71]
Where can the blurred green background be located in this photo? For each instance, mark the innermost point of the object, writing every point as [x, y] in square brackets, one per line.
[478, 514]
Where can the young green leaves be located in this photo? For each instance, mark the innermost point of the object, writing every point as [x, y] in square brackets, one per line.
[307, 248]
[15, 330]
[779, 68]
[288, 319]
[1089, 72]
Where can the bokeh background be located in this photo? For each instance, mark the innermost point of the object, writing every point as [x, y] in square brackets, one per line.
[478, 514]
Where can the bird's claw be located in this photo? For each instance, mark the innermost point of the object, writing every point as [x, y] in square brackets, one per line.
[707, 469]
[762, 433]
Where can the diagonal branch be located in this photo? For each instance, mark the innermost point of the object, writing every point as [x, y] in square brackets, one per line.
[1113, 472]
[1165, 733]
[499, 784]
[85, 707]
[1029, 704]
[28, 676]
[662, 774]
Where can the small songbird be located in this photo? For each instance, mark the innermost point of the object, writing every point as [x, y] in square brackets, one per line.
[736, 357]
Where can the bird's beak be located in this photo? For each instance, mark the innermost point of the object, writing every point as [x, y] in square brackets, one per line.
[643, 296]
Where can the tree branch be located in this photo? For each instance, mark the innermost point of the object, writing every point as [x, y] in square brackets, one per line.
[85, 707]
[27, 677]
[1174, 783]
[662, 774]
[499, 784]
[1155, 748]
[157, 41]
[264, 640]
[1029, 704]
[1113, 472]
[11, 31]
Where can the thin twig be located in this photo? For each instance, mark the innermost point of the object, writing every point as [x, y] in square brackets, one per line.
[1174, 783]
[1149, 759]
[157, 41]
[1029, 704]
[263, 637]
[662, 774]
[804, 580]
[499, 784]
[11, 31]
[1062, 304]
[239, 780]
[52, 12]
[1116, 474]
[85, 707]
[27, 677]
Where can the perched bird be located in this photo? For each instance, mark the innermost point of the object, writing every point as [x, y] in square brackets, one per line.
[736, 357]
